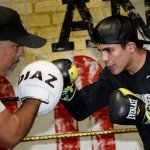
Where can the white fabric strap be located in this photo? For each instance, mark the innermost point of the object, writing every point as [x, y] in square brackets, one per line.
[2, 106]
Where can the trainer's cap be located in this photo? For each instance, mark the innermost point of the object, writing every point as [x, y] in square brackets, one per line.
[116, 30]
[12, 28]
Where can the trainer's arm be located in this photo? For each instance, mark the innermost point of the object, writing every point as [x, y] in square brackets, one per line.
[15, 126]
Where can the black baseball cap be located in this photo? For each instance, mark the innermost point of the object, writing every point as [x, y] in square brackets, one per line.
[12, 28]
[116, 30]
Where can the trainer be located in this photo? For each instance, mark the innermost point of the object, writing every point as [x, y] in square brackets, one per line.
[39, 89]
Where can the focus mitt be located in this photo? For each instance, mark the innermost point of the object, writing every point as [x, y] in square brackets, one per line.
[41, 80]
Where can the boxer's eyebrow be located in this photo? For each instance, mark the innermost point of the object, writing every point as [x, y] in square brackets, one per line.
[105, 49]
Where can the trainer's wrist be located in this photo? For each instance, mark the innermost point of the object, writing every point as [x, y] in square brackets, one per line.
[33, 101]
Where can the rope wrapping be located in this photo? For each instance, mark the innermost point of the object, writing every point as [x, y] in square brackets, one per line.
[79, 134]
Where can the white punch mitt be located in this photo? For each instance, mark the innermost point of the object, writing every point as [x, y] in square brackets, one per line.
[41, 80]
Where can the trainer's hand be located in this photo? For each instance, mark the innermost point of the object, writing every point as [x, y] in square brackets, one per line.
[41, 80]
[126, 108]
[70, 74]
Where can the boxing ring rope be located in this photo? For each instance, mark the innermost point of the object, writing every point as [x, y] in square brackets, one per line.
[79, 134]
